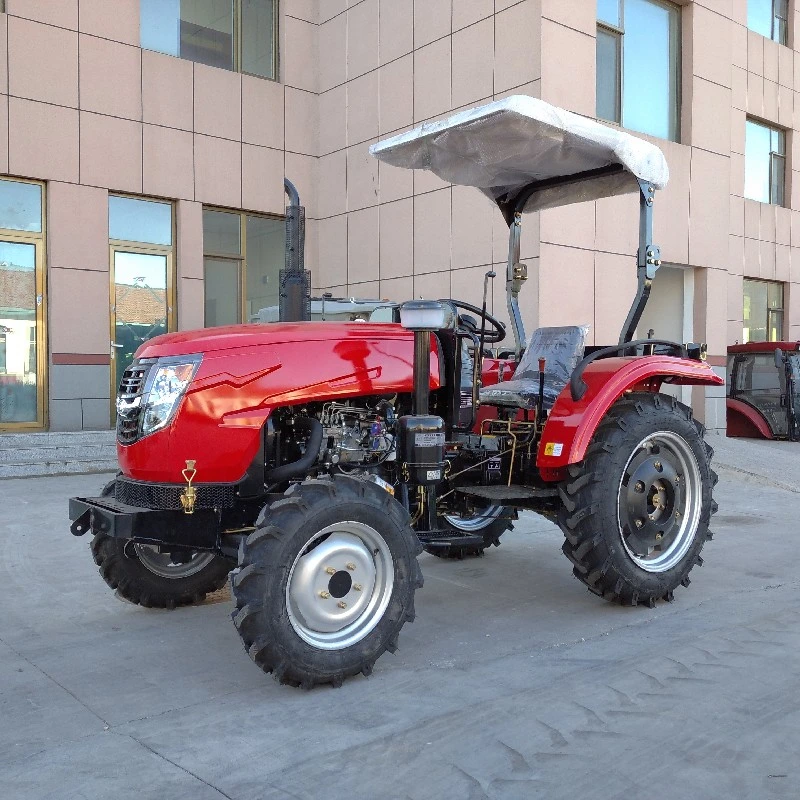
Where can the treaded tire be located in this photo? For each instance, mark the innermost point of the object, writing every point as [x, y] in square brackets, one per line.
[491, 536]
[590, 513]
[125, 573]
[267, 558]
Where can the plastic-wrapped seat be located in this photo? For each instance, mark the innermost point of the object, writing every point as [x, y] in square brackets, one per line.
[562, 348]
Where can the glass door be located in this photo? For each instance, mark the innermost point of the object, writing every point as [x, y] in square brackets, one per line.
[140, 304]
[21, 334]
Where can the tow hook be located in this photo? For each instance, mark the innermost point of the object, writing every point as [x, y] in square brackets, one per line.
[189, 495]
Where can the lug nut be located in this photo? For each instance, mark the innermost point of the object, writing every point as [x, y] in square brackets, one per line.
[659, 536]
[324, 595]
[638, 523]
[657, 465]
[357, 587]
[342, 604]
[330, 570]
[351, 566]
[639, 487]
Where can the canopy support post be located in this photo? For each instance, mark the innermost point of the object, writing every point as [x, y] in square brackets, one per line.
[516, 275]
[648, 260]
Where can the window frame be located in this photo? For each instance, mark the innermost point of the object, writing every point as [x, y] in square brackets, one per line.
[769, 312]
[776, 198]
[619, 33]
[228, 257]
[39, 240]
[238, 39]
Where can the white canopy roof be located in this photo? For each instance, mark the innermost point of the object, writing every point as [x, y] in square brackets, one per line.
[506, 145]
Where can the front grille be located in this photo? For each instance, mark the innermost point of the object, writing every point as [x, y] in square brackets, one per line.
[131, 386]
[166, 496]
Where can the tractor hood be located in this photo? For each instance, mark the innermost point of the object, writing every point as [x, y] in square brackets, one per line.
[234, 337]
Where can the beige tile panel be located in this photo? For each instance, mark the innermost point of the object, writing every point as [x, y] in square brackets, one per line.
[712, 45]
[710, 323]
[737, 174]
[397, 94]
[426, 181]
[362, 177]
[771, 59]
[770, 101]
[786, 67]
[578, 16]
[397, 238]
[432, 285]
[752, 219]
[111, 152]
[302, 121]
[72, 288]
[432, 231]
[795, 229]
[217, 102]
[529, 244]
[737, 216]
[473, 63]
[752, 258]
[110, 77]
[362, 245]
[363, 36]
[167, 162]
[332, 266]
[191, 304]
[572, 225]
[738, 128]
[431, 20]
[3, 133]
[559, 85]
[42, 62]
[3, 54]
[167, 90]
[312, 256]
[122, 25]
[333, 47]
[333, 120]
[330, 9]
[782, 262]
[562, 270]
[471, 228]
[735, 294]
[303, 172]
[432, 80]
[767, 256]
[42, 140]
[671, 209]
[711, 118]
[394, 183]
[755, 95]
[736, 255]
[299, 54]
[794, 266]
[363, 104]
[397, 289]
[708, 224]
[755, 53]
[396, 29]
[262, 179]
[517, 43]
[365, 289]
[307, 10]
[794, 188]
[615, 288]
[63, 13]
[217, 171]
[617, 228]
[739, 45]
[466, 12]
[332, 194]
[77, 219]
[768, 223]
[262, 112]
[739, 88]
[785, 106]
[189, 218]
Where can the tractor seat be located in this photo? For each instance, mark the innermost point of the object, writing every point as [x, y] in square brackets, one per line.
[562, 349]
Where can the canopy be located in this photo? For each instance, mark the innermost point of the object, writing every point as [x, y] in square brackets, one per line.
[509, 147]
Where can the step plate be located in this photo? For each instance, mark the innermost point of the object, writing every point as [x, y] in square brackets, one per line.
[507, 493]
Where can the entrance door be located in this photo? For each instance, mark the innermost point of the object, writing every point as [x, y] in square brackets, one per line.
[140, 307]
[21, 335]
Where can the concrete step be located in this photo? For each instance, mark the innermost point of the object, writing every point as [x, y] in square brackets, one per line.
[68, 453]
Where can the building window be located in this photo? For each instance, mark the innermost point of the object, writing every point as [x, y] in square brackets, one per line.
[22, 312]
[770, 18]
[764, 163]
[239, 35]
[142, 276]
[243, 256]
[638, 65]
[763, 311]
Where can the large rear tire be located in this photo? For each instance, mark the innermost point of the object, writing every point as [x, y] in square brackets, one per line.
[326, 582]
[636, 510]
[143, 575]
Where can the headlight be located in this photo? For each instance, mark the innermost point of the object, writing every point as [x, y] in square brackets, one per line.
[165, 391]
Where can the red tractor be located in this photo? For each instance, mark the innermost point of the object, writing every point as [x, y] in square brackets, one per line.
[315, 461]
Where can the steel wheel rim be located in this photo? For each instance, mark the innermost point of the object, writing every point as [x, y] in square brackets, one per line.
[669, 503]
[161, 564]
[352, 564]
[475, 522]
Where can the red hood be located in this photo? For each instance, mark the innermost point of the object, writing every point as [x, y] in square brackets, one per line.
[234, 336]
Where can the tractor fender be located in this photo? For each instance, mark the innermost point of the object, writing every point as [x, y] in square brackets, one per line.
[744, 420]
[572, 423]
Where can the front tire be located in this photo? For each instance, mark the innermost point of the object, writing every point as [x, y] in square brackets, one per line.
[636, 510]
[326, 582]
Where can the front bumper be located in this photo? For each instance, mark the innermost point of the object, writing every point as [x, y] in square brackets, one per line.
[197, 531]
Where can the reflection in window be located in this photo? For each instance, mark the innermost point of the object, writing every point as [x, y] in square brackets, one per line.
[20, 206]
[762, 311]
[232, 34]
[134, 220]
[638, 65]
[764, 163]
[770, 18]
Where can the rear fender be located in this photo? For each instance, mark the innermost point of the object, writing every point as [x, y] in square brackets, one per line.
[743, 420]
[571, 424]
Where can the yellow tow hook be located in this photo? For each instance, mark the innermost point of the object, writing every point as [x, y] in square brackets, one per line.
[189, 495]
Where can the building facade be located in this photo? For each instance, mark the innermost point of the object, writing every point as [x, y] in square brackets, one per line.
[143, 151]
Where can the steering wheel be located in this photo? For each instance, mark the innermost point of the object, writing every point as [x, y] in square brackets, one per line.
[494, 334]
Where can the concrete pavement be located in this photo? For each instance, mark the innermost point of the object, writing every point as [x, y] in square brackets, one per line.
[514, 682]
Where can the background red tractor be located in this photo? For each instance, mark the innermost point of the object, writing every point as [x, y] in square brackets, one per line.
[317, 460]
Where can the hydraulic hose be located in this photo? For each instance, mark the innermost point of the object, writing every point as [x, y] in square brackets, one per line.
[299, 468]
